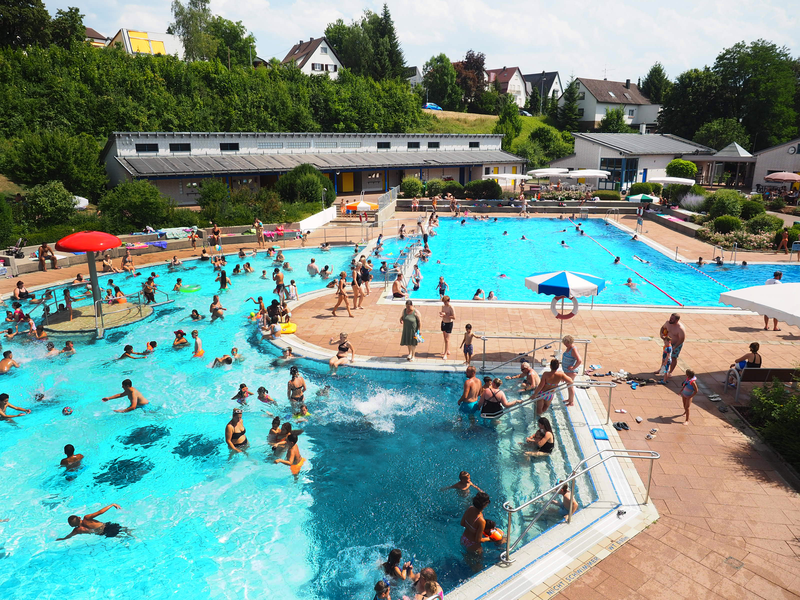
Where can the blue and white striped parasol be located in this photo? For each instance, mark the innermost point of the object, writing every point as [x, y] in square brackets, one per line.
[565, 283]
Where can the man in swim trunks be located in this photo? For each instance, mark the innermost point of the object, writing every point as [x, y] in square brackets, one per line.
[448, 315]
[545, 391]
[198, 345]
[8, 362]
[468, 402]
[46, 253]
[134, 395]
[312, 268]
[530, 379]
[677, 333]
[88, 524]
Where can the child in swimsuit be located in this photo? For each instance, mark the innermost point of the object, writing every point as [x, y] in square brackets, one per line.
[467, 344]
[666, 358]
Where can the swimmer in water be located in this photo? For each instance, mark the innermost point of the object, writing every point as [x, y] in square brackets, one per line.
[263, 396]
[641, 260]
[235, 432]
[72, 460]
[523, 238]
[616, 260]
[505, 233]
[134, 396]
[88, 524]
[180, 338]
[5, 405]
[198, 344]
[463, 485]
[563, 245]
[243, 393]
[221, 361]
[630, 284]
[293, 458]
[129, 353]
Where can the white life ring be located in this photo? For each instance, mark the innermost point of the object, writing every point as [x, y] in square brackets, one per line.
[558, 315]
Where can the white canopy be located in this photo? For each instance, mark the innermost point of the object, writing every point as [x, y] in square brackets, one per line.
[80, 202]
[547, 172]
[510, 176]
[775, 301]
[588, 173]
[672, 180]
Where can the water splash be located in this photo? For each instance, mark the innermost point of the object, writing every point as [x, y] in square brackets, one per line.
[383, 407]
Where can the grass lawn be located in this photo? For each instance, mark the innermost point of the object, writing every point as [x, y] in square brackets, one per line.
[445, 121]
[9, 187]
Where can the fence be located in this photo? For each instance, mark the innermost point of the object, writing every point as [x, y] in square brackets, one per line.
[387, 205]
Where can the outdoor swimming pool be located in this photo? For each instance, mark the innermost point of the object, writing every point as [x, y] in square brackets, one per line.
[378, 450]
[478, 255]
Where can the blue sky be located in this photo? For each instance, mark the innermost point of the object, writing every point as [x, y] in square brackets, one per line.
[619, 40]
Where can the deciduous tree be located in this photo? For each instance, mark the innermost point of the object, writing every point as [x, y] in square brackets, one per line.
[720, 132]
[439, 80]
[67, 29]
[232, 37]
[24, 23]
[690, 102]
[614, 121]
[191, 25]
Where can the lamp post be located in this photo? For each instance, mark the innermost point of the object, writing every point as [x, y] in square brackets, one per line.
[541, 94]
[323, 198]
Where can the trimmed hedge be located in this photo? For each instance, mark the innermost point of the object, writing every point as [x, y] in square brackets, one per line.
[434, 187]
[751, 208]
[764, 223]
[646, 187]
[725, 202]
[607, 194]
[485, 189]
[777, 204]
[727, 223]
[410, 187]
[453, 187]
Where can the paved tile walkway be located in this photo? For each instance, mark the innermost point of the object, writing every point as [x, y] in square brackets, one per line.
[730, 522]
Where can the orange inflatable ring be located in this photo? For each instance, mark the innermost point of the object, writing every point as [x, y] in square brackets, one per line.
[558, 315]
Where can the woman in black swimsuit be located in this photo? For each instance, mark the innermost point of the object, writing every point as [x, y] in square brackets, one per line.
[21, 292]
[235, 432]
[341, 353]
[543, 440]
[296, 388]
[493, 401]
[751, 360]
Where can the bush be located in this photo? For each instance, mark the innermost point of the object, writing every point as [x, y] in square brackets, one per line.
[453, 187]
[48, 204]
[775, 413]
[693, 202]
[682, 168]
[764, 223]
[657, 188]
[640, 188]
[777, 204]
[434, 187]
[483, 189]
[36, 158]
[607, 194]
[727, 223]
[742, 239]
[6, 224]
[80, 222]
[305, 183]
[725, 202]
[794, 235]
[751, 208]
[133, 205]
[183, 217]
[411, 187]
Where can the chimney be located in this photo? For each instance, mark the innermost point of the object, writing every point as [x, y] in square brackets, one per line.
[300, 43]
[628, 83]
[312, 39]
[642, 128]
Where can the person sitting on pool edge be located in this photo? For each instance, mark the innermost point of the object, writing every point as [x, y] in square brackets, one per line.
[88, 524]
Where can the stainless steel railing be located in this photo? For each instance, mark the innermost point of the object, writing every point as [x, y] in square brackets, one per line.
[582, 468]
[547, 343]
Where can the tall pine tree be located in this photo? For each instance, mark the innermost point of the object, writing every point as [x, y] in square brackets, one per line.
[568, 110]
[656, 84]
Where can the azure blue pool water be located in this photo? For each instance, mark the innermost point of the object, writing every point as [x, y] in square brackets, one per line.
[479, 255]
[379, 448]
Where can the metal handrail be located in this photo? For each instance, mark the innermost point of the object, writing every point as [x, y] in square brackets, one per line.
[721, 253]
[547, 341]
[613, 211]
[98, 305]
[735, 245]
[553, 491]
[562, 387]
[583, 209]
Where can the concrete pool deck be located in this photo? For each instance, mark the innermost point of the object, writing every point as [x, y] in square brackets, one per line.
[729, 518]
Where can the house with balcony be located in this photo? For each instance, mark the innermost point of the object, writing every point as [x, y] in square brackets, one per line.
[146, 42]
[596, 96]
[509, 80]
[314, 57]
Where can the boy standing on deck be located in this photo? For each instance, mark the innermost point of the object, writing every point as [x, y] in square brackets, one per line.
[467, 344]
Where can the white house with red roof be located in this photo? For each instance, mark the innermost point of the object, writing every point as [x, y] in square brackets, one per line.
[509, 80]
[314, 57]
[595, 96]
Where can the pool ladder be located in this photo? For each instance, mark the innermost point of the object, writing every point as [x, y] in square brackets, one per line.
[614, 213]
[722, 253]
[582, 468]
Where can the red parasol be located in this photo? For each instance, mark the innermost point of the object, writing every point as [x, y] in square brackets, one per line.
[90, 242]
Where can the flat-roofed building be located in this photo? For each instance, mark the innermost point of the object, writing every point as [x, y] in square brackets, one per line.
[372, 162]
